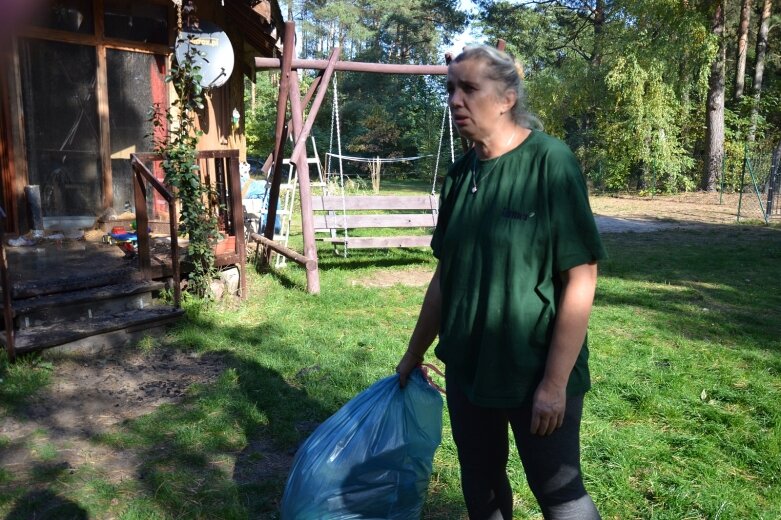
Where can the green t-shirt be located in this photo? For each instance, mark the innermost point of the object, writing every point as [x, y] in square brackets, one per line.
[501, 249]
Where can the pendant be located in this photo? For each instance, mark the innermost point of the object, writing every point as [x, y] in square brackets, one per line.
[474, 189]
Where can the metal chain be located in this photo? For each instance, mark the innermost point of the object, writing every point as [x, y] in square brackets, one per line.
[330, 141]
[341, 167]
[452, 147]
[439, 152]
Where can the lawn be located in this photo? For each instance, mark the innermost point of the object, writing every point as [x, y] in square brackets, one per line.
[683, 421]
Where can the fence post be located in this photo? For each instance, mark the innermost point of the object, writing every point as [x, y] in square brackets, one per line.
[756, 190]
[742, 178]
[723, 166]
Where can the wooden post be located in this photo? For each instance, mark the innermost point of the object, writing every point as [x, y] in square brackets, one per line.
[237, 216]
[309, 93]
[107, 182]
[302, 168]
[289, 48]
[5, 279]
[354, 66]
[310, 118]
[142, 225]
[175, 267]
[307, 224]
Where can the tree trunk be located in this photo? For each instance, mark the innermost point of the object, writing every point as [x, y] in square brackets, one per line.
[599, 22]
[759, 69]
[714, 134]
[740, 58]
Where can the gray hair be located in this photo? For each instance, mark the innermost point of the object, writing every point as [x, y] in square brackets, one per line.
[504, 70]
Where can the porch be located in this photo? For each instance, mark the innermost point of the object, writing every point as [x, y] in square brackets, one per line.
[83, 289]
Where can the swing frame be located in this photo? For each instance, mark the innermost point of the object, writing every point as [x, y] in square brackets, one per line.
[300, 129]
[289, 94]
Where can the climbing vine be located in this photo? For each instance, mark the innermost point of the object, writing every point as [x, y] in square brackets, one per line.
[178, 147]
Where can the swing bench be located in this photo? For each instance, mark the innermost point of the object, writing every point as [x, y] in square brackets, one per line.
[341, 212]
[359, 212]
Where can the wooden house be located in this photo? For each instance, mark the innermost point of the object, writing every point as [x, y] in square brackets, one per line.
[76, 88]
[76, 93]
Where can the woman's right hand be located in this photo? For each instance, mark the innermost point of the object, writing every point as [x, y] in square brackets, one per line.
[408, 362]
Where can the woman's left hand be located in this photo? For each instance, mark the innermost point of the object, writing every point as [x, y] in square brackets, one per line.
[550, 401]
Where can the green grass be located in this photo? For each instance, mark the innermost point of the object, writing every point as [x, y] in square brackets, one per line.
[683, 421]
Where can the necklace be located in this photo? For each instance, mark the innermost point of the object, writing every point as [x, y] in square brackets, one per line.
[493, 166]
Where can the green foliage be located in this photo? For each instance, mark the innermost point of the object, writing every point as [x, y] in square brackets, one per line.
[381, 115]
[182, 172]
[624, 82]
[260, 115]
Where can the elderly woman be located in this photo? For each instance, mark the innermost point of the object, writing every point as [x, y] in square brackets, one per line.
[511, 296]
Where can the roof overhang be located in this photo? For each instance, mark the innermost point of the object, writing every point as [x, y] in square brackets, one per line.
[260, 22]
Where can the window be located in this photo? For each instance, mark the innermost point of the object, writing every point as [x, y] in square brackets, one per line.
[135, 82]
[136, 21]
[69, 15]
[62, 128]
[85, 102]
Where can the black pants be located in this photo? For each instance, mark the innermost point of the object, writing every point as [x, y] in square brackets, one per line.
[551, 463]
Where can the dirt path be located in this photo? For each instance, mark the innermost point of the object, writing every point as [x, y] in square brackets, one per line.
[91, 396]
[685, 209]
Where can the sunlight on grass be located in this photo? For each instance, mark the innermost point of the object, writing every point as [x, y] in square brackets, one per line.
[683, 420]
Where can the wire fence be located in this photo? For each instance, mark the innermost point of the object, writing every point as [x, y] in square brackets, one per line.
[760, 176]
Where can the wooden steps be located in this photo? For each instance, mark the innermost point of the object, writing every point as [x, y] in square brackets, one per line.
[87, 314]
[87, 280]
[125, 323]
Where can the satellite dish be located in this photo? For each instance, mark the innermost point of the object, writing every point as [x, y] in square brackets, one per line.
[216, 52]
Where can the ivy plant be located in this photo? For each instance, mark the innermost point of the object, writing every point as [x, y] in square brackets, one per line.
[178, 146]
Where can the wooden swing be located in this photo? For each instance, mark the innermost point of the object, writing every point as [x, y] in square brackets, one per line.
[300, 128]
[342, 212]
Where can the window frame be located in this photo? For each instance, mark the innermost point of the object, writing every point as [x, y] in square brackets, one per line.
[101, 45]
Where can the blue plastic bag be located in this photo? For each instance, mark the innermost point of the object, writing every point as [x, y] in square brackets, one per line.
[370, 460]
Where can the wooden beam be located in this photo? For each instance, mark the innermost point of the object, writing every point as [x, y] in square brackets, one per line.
[300, 145]
[355, 66]
[302, 170]
[375, 202]
[388, 220]
[39, 33]
[308, 263]
[104, 127]
[142, 223]
[289, 48]
[382, 242]
[309, 93]
[21, 167]
[237, 216]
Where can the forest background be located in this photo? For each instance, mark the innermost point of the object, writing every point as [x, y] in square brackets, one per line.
[652, 95]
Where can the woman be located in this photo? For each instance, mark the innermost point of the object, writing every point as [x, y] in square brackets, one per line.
[511, 296]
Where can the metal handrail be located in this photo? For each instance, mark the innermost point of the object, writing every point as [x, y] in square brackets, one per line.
[141, 177]
[5, 279]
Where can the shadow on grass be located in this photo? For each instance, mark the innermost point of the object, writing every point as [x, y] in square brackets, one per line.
[46, 505]
[223, 451]
[719, 282]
